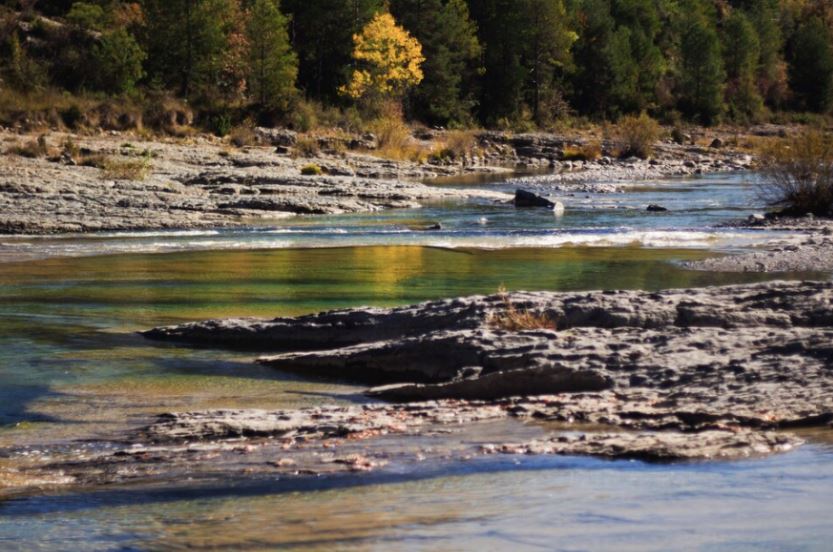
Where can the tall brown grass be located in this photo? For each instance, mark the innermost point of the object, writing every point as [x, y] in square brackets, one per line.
[636, 136]
[798, 174]
[134, 168]
[513, 319]
[589, 151]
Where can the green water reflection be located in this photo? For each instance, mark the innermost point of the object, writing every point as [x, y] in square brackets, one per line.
[138, 290]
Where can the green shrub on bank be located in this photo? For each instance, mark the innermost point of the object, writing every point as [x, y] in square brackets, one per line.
[311, 170]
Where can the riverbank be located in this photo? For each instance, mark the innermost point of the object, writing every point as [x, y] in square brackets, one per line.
[119, 182]
[809, 248]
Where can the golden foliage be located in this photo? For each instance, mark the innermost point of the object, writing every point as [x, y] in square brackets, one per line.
[390, 60]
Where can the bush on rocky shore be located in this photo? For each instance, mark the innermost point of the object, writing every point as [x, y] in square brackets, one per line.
[799, 174]
[635, 136]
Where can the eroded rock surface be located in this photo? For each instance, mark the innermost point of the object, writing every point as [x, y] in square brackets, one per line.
[753, 356]
[218, 445]
[810, 248]
[202, 184]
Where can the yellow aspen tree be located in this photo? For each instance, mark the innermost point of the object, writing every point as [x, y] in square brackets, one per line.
[388, 60]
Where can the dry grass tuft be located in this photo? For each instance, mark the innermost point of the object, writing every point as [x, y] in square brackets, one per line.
[798, 174]
[113, 168]
[589, 151]
[307, 146]
[636, 136]
[242, 136]
[513, 319]
[33, 149]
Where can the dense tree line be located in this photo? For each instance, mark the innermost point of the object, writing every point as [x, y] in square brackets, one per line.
[492, 62]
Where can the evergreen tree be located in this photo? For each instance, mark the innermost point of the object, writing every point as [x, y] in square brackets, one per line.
[701, 67]
[644, 65]
[322, 35]
[500, 25]
[546, 42]
[771, 72]
[194, 45]
[118, 59]
[273, 66]
[451, 49]
[594, 79]
[741, 50]
[811, 66]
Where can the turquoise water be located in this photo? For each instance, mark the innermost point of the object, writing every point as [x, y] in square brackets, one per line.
[72, 368]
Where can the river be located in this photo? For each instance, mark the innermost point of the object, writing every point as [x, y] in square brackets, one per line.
[73, 369]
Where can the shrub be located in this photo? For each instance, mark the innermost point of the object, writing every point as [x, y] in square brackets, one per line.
[636, 136]
[242, 136]
[511, 318]
[70, 148]
[459, 143]
[311, 170]
[589, 151]
[32, 149]
[72, 116]
[125, 169]
[118, 59]
[307, 146]
[394, 135]
[798, 174]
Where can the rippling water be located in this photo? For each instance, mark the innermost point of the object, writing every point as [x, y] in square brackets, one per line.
[71, 367]
[591, 219]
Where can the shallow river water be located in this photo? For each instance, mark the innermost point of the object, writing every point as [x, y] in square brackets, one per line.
[71, 367]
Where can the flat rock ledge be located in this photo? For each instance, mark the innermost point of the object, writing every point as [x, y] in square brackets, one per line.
[761, 355]
[214, 446]
[810, 249]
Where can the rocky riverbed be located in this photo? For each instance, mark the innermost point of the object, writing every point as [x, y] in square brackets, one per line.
[118, 182]
[715, 373]
[809, 248]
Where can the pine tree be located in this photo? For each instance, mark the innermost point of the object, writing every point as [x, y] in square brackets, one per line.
[642, 20]
[546, 41]
[500, 24]
[118, 59]
[741, 49]
[592, 79]
[273, 66]
[701, 67]
[771, 74]
[811, 66]
[322, 35]
[190, 43]
[451, 49]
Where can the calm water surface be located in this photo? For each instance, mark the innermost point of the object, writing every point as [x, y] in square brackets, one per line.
[72, 367]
